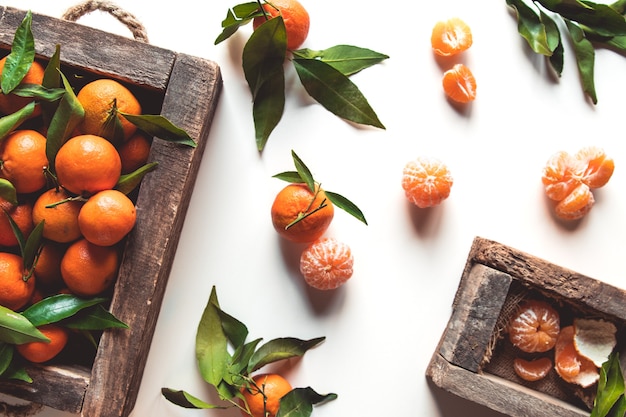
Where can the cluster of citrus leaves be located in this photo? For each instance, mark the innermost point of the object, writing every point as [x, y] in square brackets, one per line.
[61, 113]
[323, 73]
[303, 174]
[610, 400]
[226, 361]
[587, 24]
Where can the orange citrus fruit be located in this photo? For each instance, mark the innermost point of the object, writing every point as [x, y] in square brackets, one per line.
[263, 395]
[327, 264]
[98, 99]
[23, 159]
[21, 215]
[426, 182]
[459, 84]
[451, 37]
[570, 179]
[534, 327]
[107, 217]
[86, 164]
[569, 364]
[48, 266]
[300, 215]
[89, 269]
[532, 370]
[39, 352]
[294, 15]
[16, 286]
[134, 152]
[59, 214]
[11, 103]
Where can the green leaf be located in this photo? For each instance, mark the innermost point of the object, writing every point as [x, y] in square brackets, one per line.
[21, 57]
[303, 172]
[12, 121]
[6, 356]
[21, 240]
[17, 373]
[553, 37]
[279, 349]
[335, 92]
[236, 17]
[185, 400]
[299, 402]
[530, 27]
[289, 176]
[67, 116]
[16, 329]
[263, 59]
[212, 344]
[58, 307]
[159, 126]
[128, 182]
[585, 58]
[32, 247]
[94, 318]
[347, 59]
[7, 191]
[601, 18]
[235, 331]
[38, 92]
[239, 363]
[610, 387]
[52, 80]
[346, 205]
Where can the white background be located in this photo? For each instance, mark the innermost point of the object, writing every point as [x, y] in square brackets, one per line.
[383, 326]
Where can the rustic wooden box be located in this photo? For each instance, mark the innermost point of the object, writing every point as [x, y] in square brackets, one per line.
[471, 356]
[185, 89]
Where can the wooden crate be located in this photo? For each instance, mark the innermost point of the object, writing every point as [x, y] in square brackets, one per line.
[472, 359]
[185, 89]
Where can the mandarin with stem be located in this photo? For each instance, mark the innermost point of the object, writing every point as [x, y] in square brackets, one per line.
[60, 215]
[262, 396]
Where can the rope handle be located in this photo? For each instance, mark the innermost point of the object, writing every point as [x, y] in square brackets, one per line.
[135, 26]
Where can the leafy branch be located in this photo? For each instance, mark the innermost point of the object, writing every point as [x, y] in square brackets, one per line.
[303, 174]
[226, 361]
[324, 74]
[587, 24]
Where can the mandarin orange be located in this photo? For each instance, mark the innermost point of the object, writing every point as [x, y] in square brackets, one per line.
[17, 284]
[60, 215]
[11, 103]
[534, 327]
[262, 397]
[21, 215]
[107, 217]
[427, 182]
[87, 269]
[40, 352]
[327, 264]
[23, 160]
[295, 16]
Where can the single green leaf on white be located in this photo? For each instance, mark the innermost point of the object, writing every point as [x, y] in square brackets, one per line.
[347, 59]
[585, 59]
[553, 37]
[21, 57]
[279, 349]
[262, 59]
[598, 17]
[346, 205]
[530, 27]
[299, 402]
[128, 182]
[12, 121]
[8, 192]
[610, 387]
[212, 344]
[16, 329]
[303, 171]
[186, 400]
[236, 17]
[159, 126]
[289, 176]
[335, 92]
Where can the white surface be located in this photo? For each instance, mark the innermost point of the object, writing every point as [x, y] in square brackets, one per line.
[384, 324]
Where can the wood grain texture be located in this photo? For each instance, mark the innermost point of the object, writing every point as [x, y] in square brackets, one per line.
[481, 288]
[189, 88]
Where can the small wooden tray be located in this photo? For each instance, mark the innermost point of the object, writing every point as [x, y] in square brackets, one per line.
[184, 89]
[469, 360]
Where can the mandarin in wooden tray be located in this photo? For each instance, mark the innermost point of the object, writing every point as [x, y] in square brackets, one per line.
[183, 89]
[481, 356]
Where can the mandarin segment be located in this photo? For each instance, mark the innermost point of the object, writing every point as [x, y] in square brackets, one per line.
[534, 327]
[569, 364]
[532, 370]
[459, 84]
[295, 17]
[426, 182]
[599, 167]
[450, 37]
[262, 397]
[327, 264]
[576, 205]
